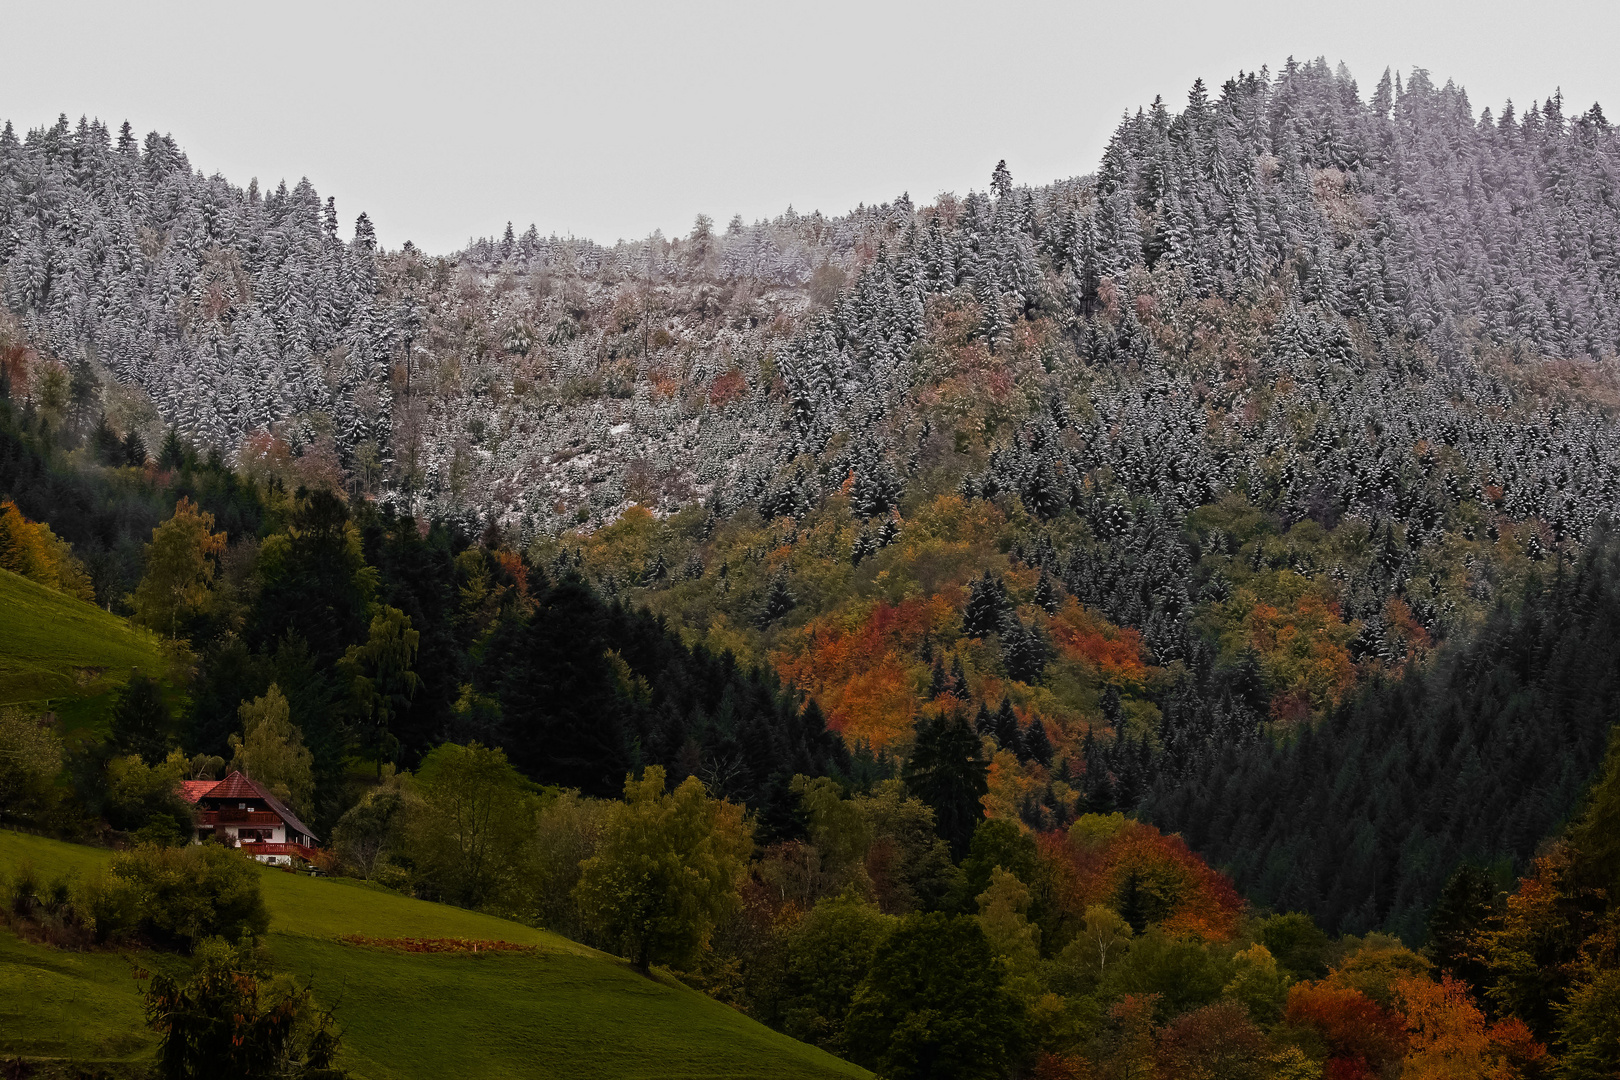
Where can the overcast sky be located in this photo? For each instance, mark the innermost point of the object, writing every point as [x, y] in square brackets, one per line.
[609, 120]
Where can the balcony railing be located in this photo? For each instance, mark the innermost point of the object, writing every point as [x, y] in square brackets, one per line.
[238, 817]
[266, 848]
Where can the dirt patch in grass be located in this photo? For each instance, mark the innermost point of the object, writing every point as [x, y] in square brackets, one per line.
[436, 945]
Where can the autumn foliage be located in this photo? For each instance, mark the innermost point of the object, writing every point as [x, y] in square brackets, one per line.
[436, 945]
[1450, 1037]
[1118, 863]
[30, 549]
[1303, 653]
[1113, 653]
[1361, 1036]
[861, 665]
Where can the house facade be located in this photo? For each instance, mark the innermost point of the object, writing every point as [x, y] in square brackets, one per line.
[239, 813]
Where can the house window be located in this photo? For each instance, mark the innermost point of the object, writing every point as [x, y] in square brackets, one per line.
[252, 836]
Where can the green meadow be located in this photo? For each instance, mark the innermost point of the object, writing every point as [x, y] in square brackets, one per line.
[68, 656]
[560, 1010]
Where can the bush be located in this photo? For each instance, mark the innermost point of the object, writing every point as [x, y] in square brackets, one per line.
[231, 1018]
[43, 913]
[163, 831]
[178, 897]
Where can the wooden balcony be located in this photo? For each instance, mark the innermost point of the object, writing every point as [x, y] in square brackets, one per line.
[214, 818]
[297, 851]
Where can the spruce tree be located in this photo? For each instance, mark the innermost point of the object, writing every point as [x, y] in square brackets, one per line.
[779, 600]
[947, 771]
[987, 600]
[141, 722]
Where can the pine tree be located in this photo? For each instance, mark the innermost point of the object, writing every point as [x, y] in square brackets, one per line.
[1047, 595]
[947, 771]
[1023, 653]
[1465, 907]
[1036, 745]
[1001, 181]
[141, 722]
[987, 600]
[133, 449]
[109, 448]
[172, 455]
[778, 600]
[1006, 725]
[983, 723]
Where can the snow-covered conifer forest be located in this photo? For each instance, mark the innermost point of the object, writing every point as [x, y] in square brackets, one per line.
[1381, 305]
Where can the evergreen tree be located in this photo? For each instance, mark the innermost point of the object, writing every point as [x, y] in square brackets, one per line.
[1037, 746]
[1006, 725]
[172, 456]
[987, 601]
[141, 722]
[778, 601]
[1466, 904]
[1023, 653]
[947, 771]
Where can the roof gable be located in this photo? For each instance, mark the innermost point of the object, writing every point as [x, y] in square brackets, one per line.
[238, 786]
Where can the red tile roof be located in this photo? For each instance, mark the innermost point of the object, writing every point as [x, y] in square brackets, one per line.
[237, 786]
[192, 790]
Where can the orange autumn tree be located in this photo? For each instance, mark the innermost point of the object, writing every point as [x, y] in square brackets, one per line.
[1142, 874]
[861, 665]
[1448, 1036]
[1114, 654]
[1361, 1036]
[31, 550]
[1304, 655]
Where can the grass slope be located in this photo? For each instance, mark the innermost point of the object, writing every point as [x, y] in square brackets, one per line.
[564, 1011]
[64, 654]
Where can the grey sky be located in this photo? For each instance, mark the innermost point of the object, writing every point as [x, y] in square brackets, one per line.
[608, 120]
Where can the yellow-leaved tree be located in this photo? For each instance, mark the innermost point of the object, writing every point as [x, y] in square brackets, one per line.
[271, 751]
[178, 584]
[30, 549]
[667, 869]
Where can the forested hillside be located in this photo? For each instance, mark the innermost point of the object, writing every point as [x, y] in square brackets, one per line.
[1258, 486]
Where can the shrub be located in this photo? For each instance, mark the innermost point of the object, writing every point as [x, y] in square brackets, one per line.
[231, 1018]
[176, 898]
[42, 913]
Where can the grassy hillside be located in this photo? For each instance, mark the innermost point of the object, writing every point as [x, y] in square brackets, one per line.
[561, 1011]
[64, 654]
